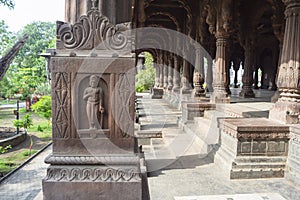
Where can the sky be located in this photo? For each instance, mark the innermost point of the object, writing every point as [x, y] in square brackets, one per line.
[27, 11]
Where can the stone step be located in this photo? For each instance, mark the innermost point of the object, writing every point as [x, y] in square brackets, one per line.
[258, 159]
[213, 115]
[259, 166]
[206, 129]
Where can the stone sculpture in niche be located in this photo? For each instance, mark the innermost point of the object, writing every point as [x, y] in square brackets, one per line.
[94, 106]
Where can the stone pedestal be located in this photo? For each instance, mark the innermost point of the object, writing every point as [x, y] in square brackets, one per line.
[252, 148]
[190, 110]
[293, 162]
[157, 93]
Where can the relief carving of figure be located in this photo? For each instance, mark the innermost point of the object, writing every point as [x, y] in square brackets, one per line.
[94, 107]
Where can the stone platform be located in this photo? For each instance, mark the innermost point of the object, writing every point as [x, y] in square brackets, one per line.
[252, 148]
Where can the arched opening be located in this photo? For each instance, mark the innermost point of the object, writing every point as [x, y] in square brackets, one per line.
[146, 72]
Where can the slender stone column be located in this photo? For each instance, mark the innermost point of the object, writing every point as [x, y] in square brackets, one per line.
[227, 81]
[161, 70]
[186, 87]
[256, 79]
[198, 79]
[209, 76]
[247, 91]
[220, 94]
[157, 75]
[165, 66]
[287, 108]
[176, 74]
[236, 78]
[170, 74]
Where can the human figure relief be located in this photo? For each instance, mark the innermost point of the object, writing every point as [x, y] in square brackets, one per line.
[94, 107]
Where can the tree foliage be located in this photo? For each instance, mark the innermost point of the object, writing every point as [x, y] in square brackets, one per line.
[146, 77]
[9, 3]
[43, 107]
[28, 70]
[25, 122]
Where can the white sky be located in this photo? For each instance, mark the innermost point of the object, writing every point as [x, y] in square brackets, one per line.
[27, 11]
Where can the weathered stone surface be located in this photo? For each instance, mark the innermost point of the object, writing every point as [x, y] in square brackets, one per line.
[253, 148]
[157, 93]
[190, 110]
[293, 164]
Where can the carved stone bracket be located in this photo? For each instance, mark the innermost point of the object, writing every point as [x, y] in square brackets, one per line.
[93, 30]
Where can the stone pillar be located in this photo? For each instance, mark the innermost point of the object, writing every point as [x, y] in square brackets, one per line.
[236, 78]
[161, 69]
[116, 11]
[287, 108]
[165, 66]
[176, 74]
[247, 91]
[93, 112]
[198, 79]
[209, 76]
[256, 79]
[186, 87]
[157, 74]
[170, 73]
[219, 79]
[227, 82]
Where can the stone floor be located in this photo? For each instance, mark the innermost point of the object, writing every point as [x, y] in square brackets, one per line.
[26, 183]
[191, 173]
[180, 169]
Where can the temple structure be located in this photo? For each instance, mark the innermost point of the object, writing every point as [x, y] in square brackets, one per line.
[194, 45]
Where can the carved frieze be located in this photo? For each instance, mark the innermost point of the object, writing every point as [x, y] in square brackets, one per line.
[91, 174]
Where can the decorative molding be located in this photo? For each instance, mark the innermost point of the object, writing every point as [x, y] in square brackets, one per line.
[91, 160]
[92, 31]
[91, 174]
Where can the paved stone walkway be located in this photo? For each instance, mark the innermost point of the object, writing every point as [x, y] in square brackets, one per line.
[193, 177]
[26, 183]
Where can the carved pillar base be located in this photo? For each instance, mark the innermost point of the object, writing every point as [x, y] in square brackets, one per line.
[157, 93]
[92, 181]
[286, 112]
[247, 92]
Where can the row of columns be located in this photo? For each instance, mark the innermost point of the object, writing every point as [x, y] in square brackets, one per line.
[173, 73]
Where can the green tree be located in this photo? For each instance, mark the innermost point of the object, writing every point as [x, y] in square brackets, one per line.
[7, 38]
[146, 77]
[28, 70]
[25, 123]
[9, 3]
[43, 107]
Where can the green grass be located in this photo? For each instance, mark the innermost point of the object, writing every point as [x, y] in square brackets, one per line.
[9, 164]
[41, 126]
[5, 102]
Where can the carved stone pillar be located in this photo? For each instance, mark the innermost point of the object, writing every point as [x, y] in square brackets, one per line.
[247, 91]
[93, 106]
[176, 73]
[209, 76]
[170, 73]
[287, 108]
[220, 94]
[198, 79]
[157, 74]
[186, 87]
[227, 81]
